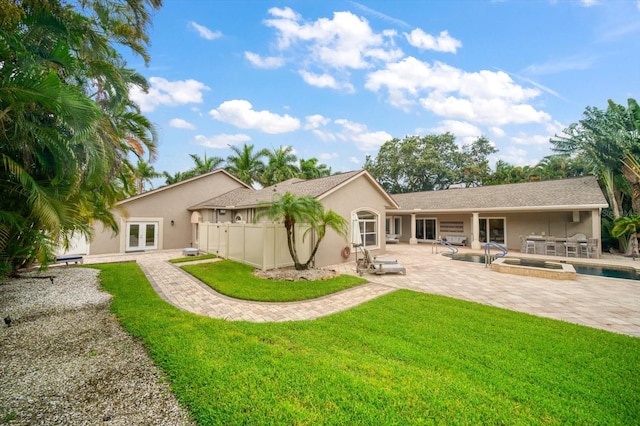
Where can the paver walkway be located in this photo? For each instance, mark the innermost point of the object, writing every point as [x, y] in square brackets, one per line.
[605, 303]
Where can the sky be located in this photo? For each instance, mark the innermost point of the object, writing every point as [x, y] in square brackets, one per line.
[336, 79]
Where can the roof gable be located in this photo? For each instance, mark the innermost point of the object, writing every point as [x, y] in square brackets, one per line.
[551, 194]
[318, 188]
[183, 182]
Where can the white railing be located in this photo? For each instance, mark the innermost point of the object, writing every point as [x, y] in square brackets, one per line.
[263, 245]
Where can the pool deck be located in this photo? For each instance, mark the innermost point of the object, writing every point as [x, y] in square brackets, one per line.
[605, 303]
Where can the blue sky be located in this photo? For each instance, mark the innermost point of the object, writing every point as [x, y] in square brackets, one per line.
[336, 79]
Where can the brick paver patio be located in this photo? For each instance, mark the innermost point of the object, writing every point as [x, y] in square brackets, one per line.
[606, 303]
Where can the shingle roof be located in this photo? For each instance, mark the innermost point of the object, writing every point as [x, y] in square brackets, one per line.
[246, 198]
[542, 195]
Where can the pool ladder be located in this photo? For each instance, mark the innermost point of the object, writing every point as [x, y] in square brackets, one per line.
[448, 245]
[488, 258]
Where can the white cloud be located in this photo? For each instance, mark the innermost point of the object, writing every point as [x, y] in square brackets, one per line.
[205, 32]
[495, 111]
[361, 136]
[222, 141]
[465, 133]
[355, 160]
[497, 131]
[442, 43]
[240, 113]
[528, 140]
[268, 62]
[179, 123]
[325, 80]
[485, 97]
[515, 156]
[343, 42]
[328, 156]
[315, 121]
[165, 92]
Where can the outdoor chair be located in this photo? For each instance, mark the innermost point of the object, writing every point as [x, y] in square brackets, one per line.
[525, 245]
[589, 248]
[550, 246]
[571, 247]
[379, 265]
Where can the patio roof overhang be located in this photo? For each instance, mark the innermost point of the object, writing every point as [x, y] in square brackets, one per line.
[519, 209]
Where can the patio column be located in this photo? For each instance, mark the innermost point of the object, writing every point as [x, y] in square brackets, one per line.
[475, 241]
[413, 239]
[596, 230]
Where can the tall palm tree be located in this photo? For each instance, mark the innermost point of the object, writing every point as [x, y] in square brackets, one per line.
[291, 210]
[281, 166]
[144, 173]
[247, 165]
[310, 169]
[204, 165]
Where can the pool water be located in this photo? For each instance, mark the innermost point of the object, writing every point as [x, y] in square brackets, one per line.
[598, 271]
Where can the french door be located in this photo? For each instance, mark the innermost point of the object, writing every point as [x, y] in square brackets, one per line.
[426, 229]
[142, 236]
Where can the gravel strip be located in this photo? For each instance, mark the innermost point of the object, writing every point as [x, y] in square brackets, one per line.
[65, 359]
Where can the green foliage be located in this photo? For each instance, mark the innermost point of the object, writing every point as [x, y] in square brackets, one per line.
[193, 258]
[247, 165]
[291, 210]
[281, 166]
[430, 162]
[404, 358]
[609, 142]
[237, 280]
[67, 124]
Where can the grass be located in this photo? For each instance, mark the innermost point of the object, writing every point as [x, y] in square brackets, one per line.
[236, 280]
[405, 358]
[192, 258]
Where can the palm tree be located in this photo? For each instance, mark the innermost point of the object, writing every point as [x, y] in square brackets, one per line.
[67, 124]
[144, 173]
[329, 219]
[245, 164]
[204, 165]
[310, 169]
[628, 225]
[291, 210]
[280, 167]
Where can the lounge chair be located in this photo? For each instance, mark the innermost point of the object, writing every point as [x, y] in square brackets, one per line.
[379, 265]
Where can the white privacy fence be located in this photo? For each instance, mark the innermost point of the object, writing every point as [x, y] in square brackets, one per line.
[263, 245]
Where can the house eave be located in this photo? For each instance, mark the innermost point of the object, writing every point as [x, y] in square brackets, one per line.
[520, 209]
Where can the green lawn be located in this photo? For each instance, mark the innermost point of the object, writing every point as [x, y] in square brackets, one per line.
[236, 280]
[405, 358]
[193, 258]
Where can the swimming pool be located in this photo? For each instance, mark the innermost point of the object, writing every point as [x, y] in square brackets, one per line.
[598, 271]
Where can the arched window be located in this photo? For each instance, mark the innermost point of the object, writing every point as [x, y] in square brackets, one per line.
[368, 222]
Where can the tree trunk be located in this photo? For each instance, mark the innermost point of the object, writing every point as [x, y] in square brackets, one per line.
[632, 247]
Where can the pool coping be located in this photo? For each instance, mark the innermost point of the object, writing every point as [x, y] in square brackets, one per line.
[564, 271]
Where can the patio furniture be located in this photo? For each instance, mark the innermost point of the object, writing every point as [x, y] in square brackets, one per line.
[550, 245]
[571, 247]
[379, 265]
[526, 245]
[589, 248]
[458, 240]
[189, 251]
[392, 239]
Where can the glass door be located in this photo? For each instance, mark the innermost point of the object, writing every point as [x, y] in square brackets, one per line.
[142, 236]
[426, 229]
[493, 228]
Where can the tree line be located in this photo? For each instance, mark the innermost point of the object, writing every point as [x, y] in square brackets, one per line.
[254, 167]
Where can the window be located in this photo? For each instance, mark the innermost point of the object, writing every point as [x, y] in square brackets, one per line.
[142, 236]
[368, 222]
[393, 225]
